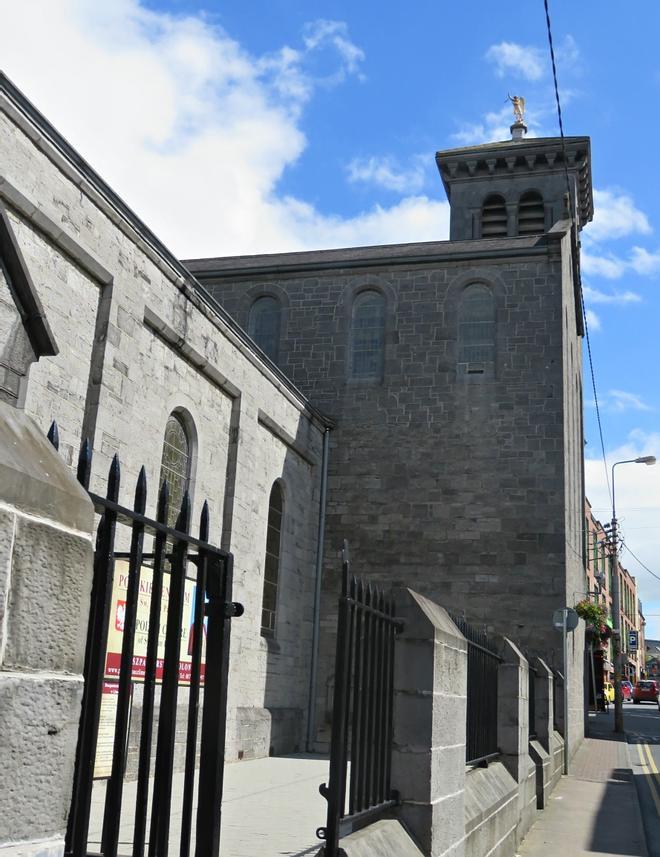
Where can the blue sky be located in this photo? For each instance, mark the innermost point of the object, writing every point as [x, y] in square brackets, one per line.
[292, 124]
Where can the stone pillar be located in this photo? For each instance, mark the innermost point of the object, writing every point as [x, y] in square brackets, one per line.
[430, 698]
[46, 522]
[513, 711]
[544, 705]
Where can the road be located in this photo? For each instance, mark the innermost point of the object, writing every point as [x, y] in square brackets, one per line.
[642, 725]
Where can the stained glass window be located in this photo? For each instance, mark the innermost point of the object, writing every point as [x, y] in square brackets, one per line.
[175, 465]
[272, 562]
[368, 335]
[476, 326]
[264, 325]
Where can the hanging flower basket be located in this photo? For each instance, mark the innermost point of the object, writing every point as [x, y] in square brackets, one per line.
[595, 616]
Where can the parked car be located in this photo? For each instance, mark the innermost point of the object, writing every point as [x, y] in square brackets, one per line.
[646, 691]
[608, 691]
[626, 690]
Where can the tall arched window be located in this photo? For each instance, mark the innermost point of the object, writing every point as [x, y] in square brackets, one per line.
[264, 325]
[368, 335]
[531, 214]
[494, 217]
[175, 464]
[476, 329]
[272, 562]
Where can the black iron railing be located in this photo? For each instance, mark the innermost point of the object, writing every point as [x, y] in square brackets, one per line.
[532, 703]
[362, 718]
[557, 683]
[175, 550]
[483, 664]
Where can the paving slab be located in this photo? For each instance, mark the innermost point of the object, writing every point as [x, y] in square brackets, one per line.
[271, 808]
[595, 809]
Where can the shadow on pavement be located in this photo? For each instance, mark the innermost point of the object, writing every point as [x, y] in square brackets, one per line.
[609, 836]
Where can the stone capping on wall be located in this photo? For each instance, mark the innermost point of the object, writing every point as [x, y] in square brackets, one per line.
[430, 698]
[288, 440]
[42, 223]
[24, 293]
[34, 480]
[46, 523]
[171, 338]
[303, 262]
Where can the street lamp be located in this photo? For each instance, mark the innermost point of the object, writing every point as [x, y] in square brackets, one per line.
[616, 599]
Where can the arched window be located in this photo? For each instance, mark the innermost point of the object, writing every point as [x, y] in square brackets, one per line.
[175, 464]
[272, 562]
[531, 214]
[368, 335]
[494, 218]
[264, 325]
[476, 329]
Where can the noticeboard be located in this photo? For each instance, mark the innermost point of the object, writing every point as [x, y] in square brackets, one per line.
[116, 627]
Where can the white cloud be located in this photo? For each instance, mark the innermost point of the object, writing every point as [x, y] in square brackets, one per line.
[190, 128]
[643, 262]
[593, 321]
[512, 58]
[323, 33]
[620, 401]
[638, 505]
[385, 172]
[595, 296]
[609, 266]
[413, 219]
[615, 215]
[494, 126]
[568, 57]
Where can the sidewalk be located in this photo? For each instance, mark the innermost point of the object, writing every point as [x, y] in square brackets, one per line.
[595, 809]
[271, 807]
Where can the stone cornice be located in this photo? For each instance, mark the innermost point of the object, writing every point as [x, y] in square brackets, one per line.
[540, 156]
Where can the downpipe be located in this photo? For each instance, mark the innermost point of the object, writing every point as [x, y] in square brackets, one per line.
[311, 706]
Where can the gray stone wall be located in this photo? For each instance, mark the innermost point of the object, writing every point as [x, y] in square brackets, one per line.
[136, 343]
[45, 579]
[462, 487]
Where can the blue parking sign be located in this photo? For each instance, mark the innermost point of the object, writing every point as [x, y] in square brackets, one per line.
[633, 637]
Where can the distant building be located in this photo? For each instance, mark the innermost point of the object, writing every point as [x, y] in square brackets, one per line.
[599, 589]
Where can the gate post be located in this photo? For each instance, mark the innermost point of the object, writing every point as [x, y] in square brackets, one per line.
[430, 698]
[46, 521]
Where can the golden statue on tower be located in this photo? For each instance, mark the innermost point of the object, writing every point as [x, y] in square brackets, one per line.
[518, 103]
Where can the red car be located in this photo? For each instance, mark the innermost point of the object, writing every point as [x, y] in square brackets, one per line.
[646, 691]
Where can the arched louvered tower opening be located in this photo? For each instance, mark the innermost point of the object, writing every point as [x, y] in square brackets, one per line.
[531, 214]
[494, 217]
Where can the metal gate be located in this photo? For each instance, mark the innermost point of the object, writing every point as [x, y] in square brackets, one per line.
[362, 720]
[173, 553]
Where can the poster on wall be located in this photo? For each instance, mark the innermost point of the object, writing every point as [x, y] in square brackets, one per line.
[106, 733]
[116, 628]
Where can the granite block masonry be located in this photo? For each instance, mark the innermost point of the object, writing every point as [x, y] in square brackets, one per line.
[46, 523]
[456, 463]
[430, 695]
[102, 330]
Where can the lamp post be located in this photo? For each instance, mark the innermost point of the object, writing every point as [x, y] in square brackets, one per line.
[616, 599]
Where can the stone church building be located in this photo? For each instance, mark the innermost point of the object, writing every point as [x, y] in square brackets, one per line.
[437, 384]
[453, 373]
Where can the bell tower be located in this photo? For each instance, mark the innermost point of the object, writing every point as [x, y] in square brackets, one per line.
[516, 187]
